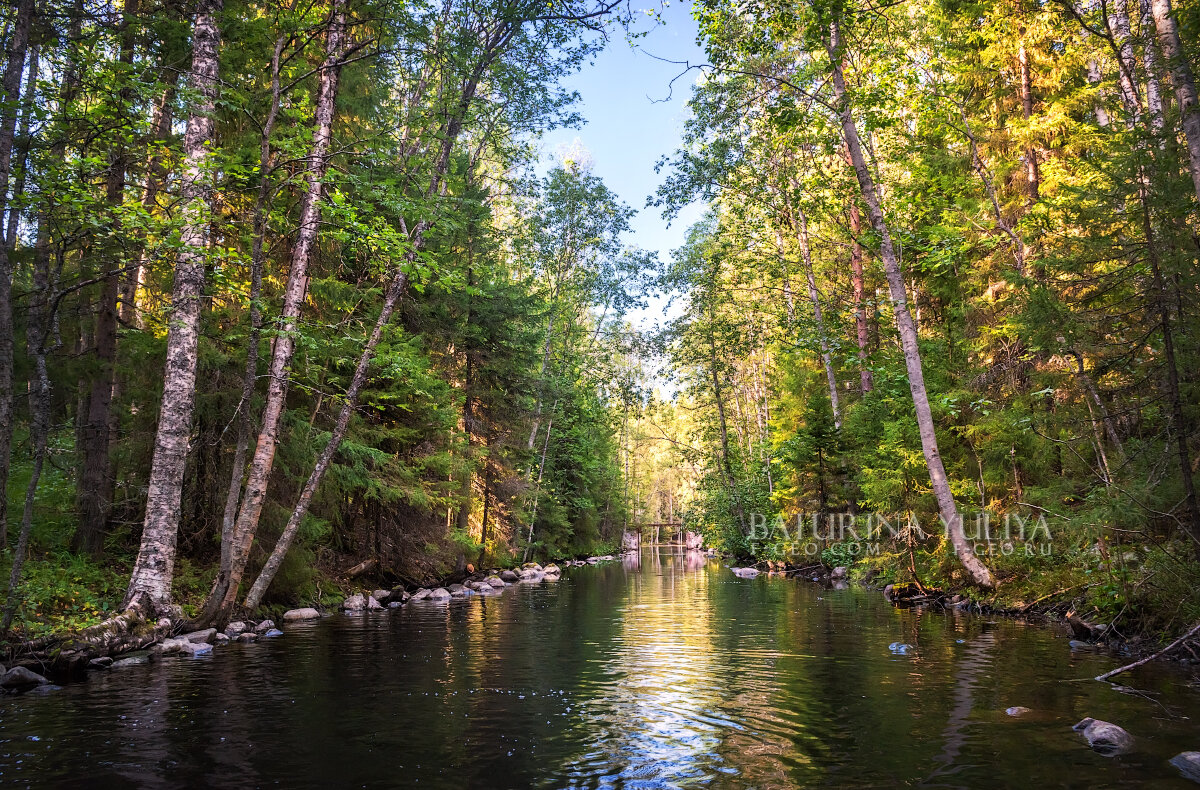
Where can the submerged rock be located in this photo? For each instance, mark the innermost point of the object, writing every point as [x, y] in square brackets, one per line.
[900, 648]
[101, 662]
[272, 633]
[1188, 764]
[1017, 710]
[132, 661]
[21, 679]
[745, 573]
[295, 615]
[1105, 737]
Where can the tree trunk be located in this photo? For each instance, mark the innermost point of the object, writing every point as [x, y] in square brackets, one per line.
[224, 593]
[23, 143]
[1184, 83]
[904, 324]
[815, 298]
[866, 381]
[18, 42]
[94, 491]
[1033, 178]
[154, 569]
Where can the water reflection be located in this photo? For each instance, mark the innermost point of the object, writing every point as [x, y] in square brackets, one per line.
[662, 670]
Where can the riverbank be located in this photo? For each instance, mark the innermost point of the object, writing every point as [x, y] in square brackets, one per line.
[129, 638]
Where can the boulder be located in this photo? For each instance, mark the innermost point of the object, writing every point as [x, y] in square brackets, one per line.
[420, 595]
[271, 634]
[372, 603]
[199, 637]
[1017, 710]
[196, 649]
[220, 639]
[1105, 737]
[494, 581]
[247, 636]
[295, 615]
[171, 646]
[355, 603]
[488, 589]
[439, 594]
[379, 595]
[531, 566]
[838, 573]
[101, 662]
[235, 628]
[1188, 764]
[21, 679]
[264, 626]
[509, 576]
[745, 573]
[458, 590]
[552, 570]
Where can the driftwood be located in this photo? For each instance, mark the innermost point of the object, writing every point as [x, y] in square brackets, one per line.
[1195, 630]
[360, 568]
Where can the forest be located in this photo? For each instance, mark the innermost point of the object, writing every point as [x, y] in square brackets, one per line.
[289, 297]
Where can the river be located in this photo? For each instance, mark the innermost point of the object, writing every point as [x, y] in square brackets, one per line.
[660, 671]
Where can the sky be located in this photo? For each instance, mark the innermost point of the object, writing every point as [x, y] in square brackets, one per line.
[633, 119]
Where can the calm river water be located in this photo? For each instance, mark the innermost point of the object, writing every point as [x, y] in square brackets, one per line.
[660, 671]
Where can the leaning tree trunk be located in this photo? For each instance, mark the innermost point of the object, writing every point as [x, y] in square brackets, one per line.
[223, 597]
[437, 186]
[1184, 83]
[18, 42]
[904, 324]
[154, 569]
[866, 381]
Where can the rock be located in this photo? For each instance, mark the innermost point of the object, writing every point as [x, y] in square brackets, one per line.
[295, 615]
[745, 573]
[21, 678]
[439, 594]
[420, 595]
[592, 560]
[235, 628]
[495, 581]
[1075, 644]
[888, 591]
[509, 576]
[839, 572]
[1188, 764]
[171, 646]
[488, 589]
[194, 649]
[355, 603]
[220, 639]
[101, 662]
[458, 590]
[900, 648]
[395, 605]
[531, 566]
[247, 636]
[1105, 737]
[264, 626]
[1017, 710]
[272, 633]
[533, 577]
[379, 595]
[199, 637]
[372, 603]
[552, 570]
[841, 584]
[132, 661]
